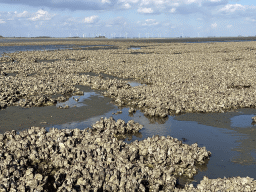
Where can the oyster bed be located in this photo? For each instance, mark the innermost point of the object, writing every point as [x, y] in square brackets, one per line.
[94, 159]
[179, 78]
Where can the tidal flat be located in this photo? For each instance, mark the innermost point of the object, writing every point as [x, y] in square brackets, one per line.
[198, 98]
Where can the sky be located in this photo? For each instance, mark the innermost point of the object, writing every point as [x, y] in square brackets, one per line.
[127, 18]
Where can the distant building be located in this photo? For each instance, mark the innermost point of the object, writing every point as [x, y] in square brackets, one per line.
[100, 36]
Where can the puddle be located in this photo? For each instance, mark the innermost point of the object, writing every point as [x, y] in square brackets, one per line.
[134, 83]
[138, 52]
[78, 100]
[18, 118]
[11, 74]
[94, 47]
[135, 48]
[242, 121]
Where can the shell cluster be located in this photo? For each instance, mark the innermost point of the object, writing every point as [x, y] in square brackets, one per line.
[93, 159]
[254, 119]
[245, 184]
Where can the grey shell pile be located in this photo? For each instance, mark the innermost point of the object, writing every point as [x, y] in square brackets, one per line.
[254, 120]
[93, 159]
[244, 184]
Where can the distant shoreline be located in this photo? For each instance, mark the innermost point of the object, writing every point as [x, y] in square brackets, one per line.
[173, 39]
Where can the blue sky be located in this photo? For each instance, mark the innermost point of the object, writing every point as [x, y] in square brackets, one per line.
[131, 18]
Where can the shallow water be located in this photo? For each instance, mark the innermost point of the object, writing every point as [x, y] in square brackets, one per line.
[226, 160]
[12, 49]
[135, 48]
[77, 100]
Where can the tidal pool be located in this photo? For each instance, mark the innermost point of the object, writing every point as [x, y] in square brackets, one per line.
[226, 144]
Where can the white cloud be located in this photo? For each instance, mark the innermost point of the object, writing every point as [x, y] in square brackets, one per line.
[2, 21]
[41, 15]
[23, 14]
[105, 1]
[145, 10]
[118, 21]
[128, 1]
[175, 4]
[229, 26]
[150, 22]
[91, 19]
[160, 2]
[230, 8]
[214, 25]
[127, 6]
[250, 19]
[172, 10]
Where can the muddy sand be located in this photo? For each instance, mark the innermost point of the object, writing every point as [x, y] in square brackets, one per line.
[178, 78]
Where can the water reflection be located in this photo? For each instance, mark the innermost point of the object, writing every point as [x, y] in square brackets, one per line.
[77, 100]
[242, 121]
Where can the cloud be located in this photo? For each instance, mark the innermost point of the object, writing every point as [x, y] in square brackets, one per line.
[250, 19]
[214, 25]
[23, 14]
[145, 10]
[230, 8]
[91, 19]
[127, 6]
[150, 22]
[229, 26]
[105, 1]
[118, 21]
[41, 15]
[172, 10]
[2, 21]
